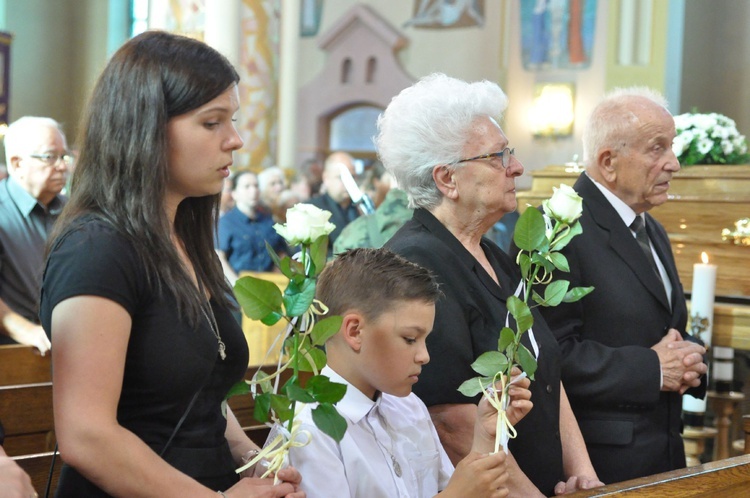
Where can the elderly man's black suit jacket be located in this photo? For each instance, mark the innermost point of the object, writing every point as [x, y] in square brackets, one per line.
[611, 375]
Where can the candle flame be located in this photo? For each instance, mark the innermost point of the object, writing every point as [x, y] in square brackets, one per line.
[704, 258]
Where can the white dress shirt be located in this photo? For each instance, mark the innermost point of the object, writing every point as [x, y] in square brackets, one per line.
[361, 465]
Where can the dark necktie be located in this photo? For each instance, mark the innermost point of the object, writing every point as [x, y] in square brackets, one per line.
[642, 237]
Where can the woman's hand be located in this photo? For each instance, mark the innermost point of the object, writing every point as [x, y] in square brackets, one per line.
[520, 396]
[255, 487]
[577, 483]
[479, 475]
[518, 407]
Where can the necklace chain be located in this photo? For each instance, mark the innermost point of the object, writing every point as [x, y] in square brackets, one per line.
[394, 463]
[211, 319]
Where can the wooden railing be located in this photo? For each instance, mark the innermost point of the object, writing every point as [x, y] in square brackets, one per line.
[728, 478]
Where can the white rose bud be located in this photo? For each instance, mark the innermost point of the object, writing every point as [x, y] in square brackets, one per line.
[304, 224]
[565, 204]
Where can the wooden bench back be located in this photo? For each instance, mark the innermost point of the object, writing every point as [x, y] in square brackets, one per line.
[26, 413]
[23, 365]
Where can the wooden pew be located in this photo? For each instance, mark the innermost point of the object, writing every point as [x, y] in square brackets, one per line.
[728, 478]
[23, 365]
[38, 466]
[26, 412]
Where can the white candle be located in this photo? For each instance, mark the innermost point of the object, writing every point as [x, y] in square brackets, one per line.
[701, 317]
[693, 405]
[702, 298]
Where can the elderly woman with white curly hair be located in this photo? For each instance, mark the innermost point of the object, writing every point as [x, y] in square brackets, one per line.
[441, 139]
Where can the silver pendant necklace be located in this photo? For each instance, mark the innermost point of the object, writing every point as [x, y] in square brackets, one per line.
[211, 319]
[394, 463]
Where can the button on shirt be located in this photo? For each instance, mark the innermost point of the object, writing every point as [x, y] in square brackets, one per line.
[360, 466]
[243, 240]
[24, 227]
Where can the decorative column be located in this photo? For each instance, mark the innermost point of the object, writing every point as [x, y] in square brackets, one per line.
[222, 29]
[287, 100]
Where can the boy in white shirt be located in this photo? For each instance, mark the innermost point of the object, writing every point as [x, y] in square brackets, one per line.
[391, 448]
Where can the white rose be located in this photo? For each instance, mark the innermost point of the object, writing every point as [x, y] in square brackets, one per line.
[304, 224]
[565, 204]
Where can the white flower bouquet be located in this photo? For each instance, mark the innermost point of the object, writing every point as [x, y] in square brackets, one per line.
[708, 139]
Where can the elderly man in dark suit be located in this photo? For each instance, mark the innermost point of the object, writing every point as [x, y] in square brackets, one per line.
[626, 360]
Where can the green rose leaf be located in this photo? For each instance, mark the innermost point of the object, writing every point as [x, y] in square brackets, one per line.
[474, 386]
[275, 257]
[271, 318]
[490, 363]
[560, 261]
[527, 361]
[521, 313]
[559, 243]
[310, 357]
[576, 293]
[262, 407]
[282, 406]
[285, 266]
[239, 388]
[328, 420]
[298, 393]
[257, 297]
[529, 231]
[325, 329]
[318, 254]
[541, 260]
[555, 292]
[325, 391]
[524, 263]
[507, 336]
[537, 298]
[298, 299]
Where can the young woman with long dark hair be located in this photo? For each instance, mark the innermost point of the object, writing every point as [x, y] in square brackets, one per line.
[145, 347]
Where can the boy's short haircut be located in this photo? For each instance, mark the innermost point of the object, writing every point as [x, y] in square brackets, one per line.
[372, 281]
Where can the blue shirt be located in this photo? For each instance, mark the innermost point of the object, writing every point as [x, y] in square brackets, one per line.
[243, 240]
[24, 227]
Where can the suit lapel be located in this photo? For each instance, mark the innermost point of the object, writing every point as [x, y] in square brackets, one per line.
[664, 250]
[620, 238]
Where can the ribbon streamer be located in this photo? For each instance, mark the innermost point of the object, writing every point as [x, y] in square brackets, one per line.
[275, 452]
[504, 430]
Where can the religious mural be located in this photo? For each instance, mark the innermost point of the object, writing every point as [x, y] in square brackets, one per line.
[447, 14]
[557, 34]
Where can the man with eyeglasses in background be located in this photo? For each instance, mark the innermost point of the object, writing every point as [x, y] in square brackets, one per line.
[38, 161]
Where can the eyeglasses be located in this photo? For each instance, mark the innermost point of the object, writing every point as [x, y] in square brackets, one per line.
[50, 158]
[504, 155]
